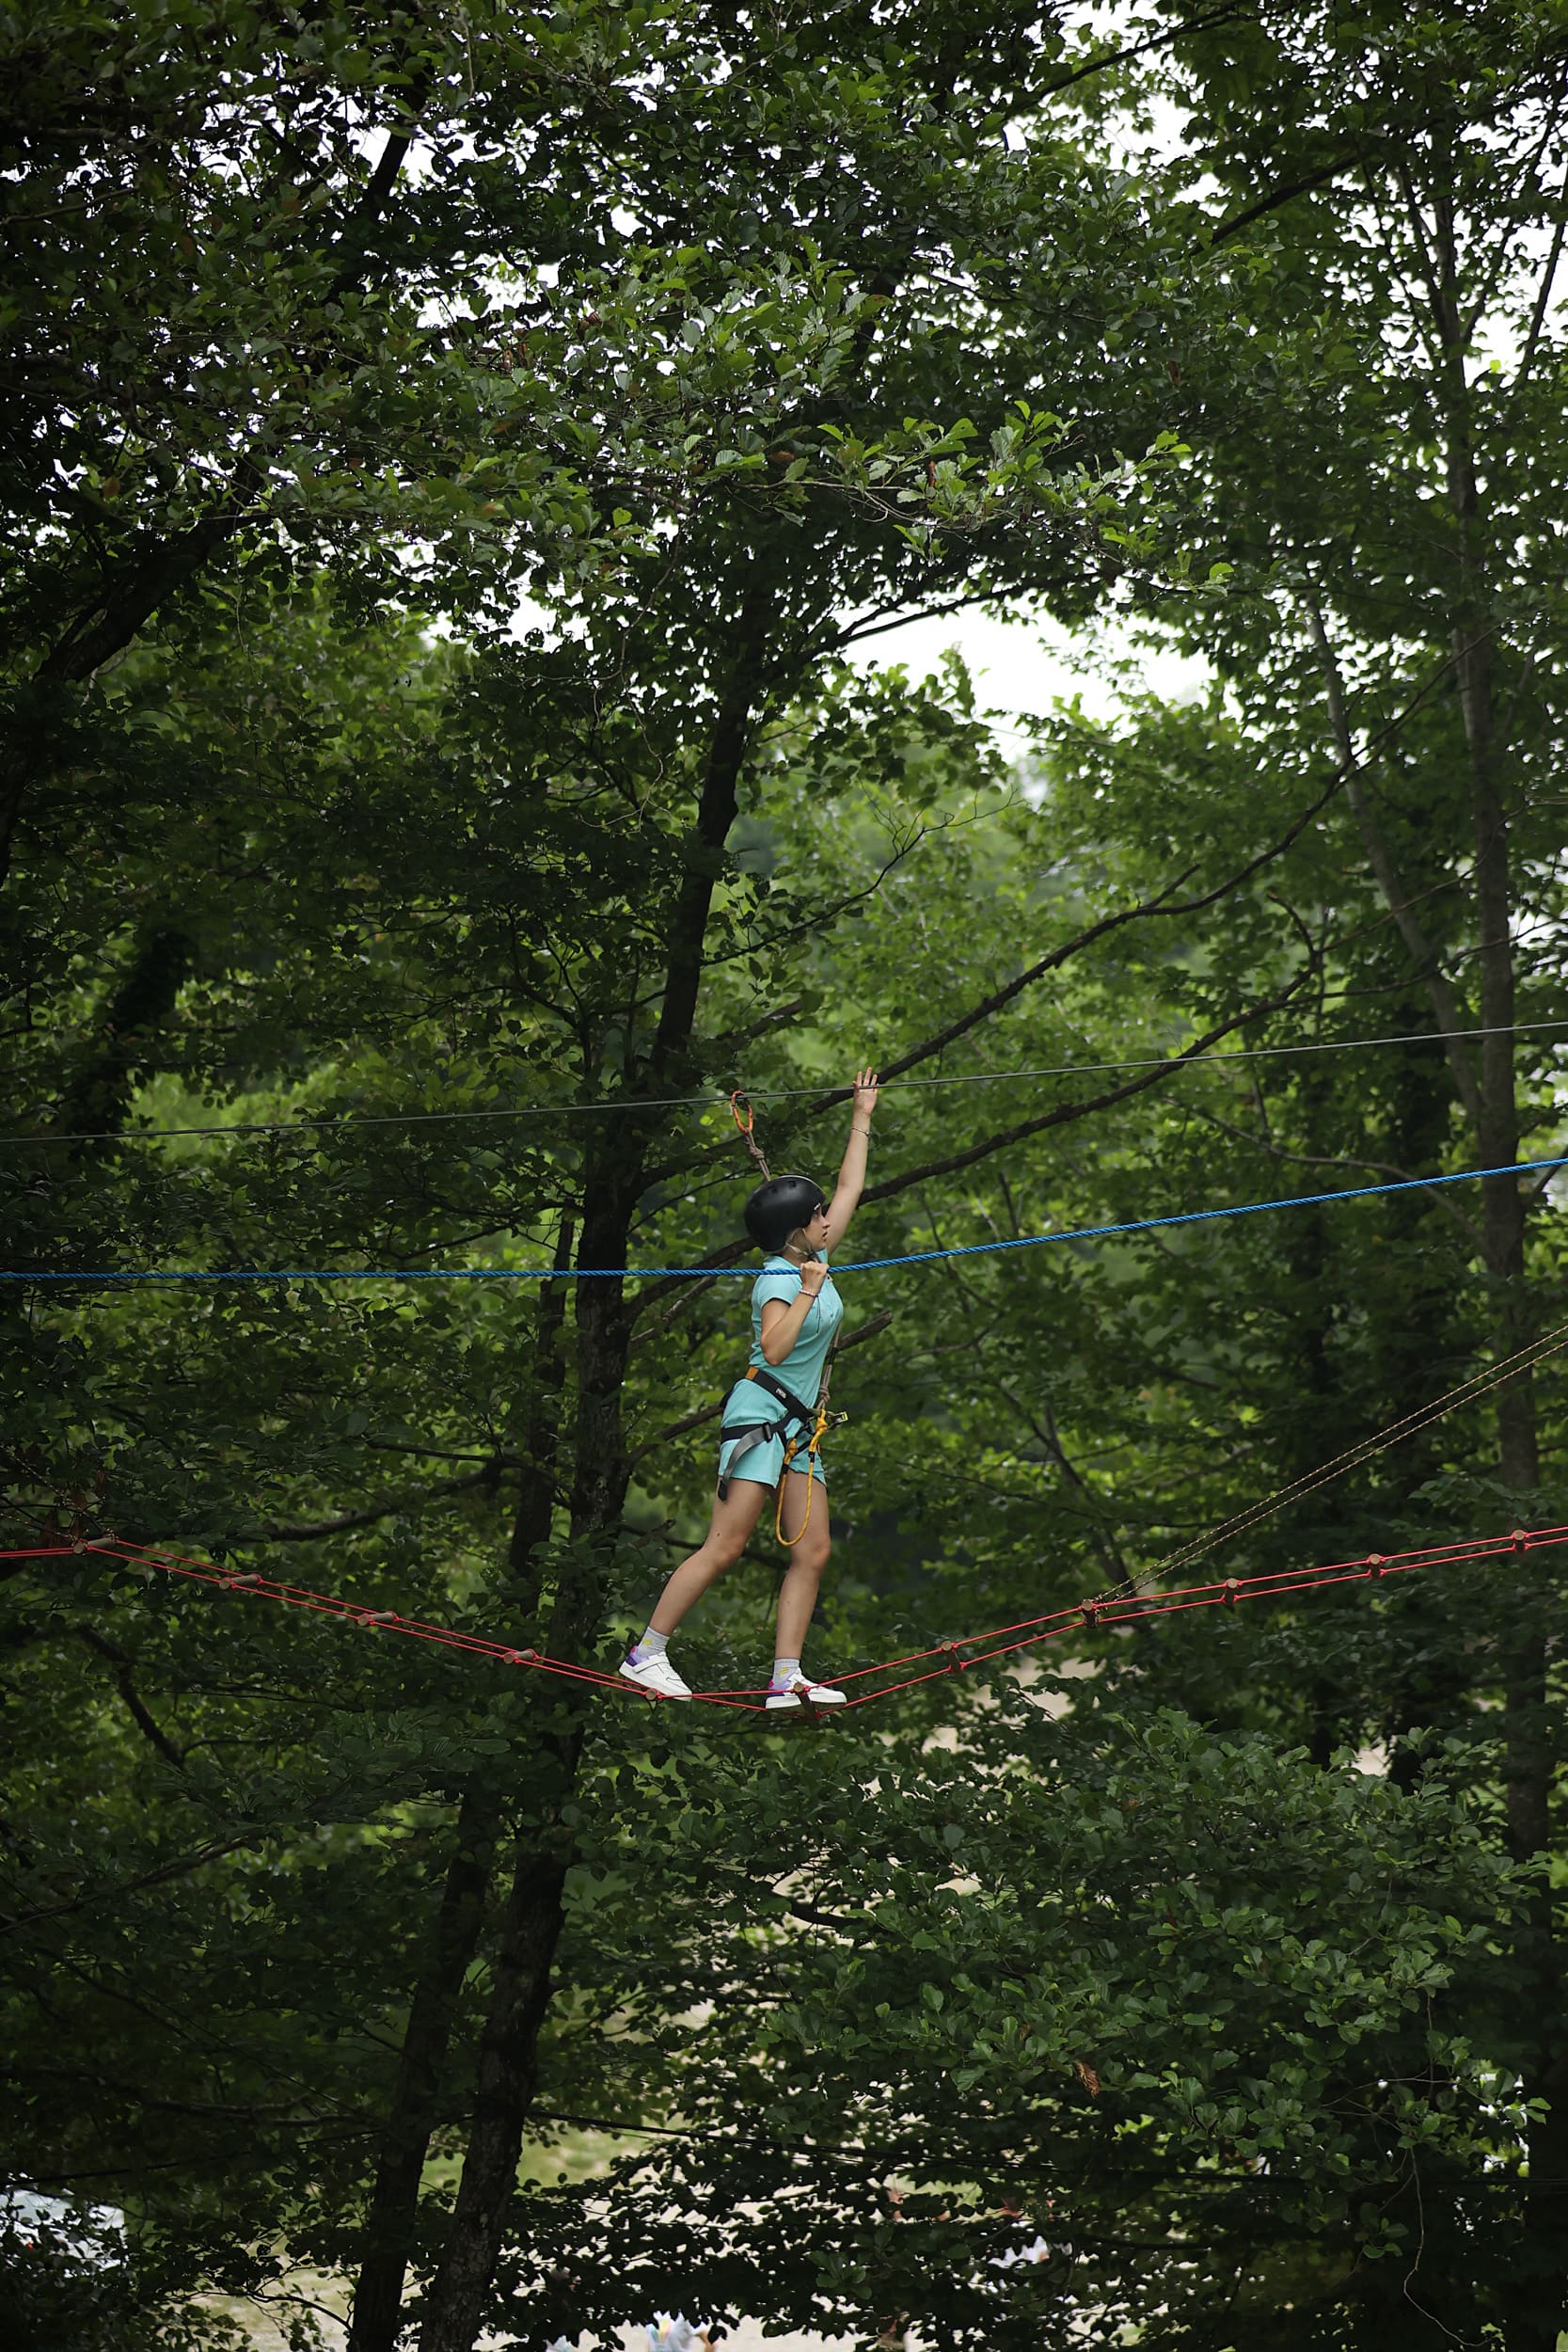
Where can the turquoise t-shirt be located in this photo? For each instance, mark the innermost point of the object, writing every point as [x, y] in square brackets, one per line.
[802, 1369]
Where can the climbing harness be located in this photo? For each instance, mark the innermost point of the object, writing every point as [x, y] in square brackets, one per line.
[795, 1416]
[796, 1422]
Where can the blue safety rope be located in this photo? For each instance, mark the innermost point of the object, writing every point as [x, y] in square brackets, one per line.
[704, 1273]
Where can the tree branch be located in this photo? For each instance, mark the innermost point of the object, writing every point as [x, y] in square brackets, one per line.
[183, 1869]
[733, 728]
[275, 1533]
[1230, 13]
[439, 1453]
[98, 1095]
[1064, 1114]
[1328, 1159]
[815, 1917]
[732, 1039]
[137, 1710]
[730, 1252]
[1045, 1431]
[1278, 197]
[1401, 904]
[1162, 905]
[1538, 317]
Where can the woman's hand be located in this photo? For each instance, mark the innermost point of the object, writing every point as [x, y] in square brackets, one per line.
[866, 1086]
[813, 1275]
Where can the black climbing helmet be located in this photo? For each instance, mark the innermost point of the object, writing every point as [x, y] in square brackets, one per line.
[780, 1207]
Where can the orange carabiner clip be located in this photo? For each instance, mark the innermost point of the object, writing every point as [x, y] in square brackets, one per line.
[745, 1126]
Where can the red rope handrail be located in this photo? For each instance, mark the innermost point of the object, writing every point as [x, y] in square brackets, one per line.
[957, 1655]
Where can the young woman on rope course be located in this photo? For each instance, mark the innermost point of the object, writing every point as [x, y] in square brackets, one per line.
[770, 1414]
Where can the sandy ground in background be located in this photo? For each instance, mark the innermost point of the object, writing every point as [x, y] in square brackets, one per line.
[266, 2336]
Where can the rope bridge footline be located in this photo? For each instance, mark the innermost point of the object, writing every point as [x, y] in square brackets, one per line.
[959, 1656]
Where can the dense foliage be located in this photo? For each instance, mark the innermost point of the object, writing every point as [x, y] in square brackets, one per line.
[1221, 1964]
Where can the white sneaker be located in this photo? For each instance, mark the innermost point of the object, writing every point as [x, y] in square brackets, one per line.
[655, 1674]
[803, 1693]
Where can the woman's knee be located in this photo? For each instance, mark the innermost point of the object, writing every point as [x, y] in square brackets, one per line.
[723, 1548]
[816, 1545]
[811, 1553]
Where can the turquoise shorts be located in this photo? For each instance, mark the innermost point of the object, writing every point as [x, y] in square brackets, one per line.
[764, 1463]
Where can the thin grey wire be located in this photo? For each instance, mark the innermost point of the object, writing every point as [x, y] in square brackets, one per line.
[774, 1094]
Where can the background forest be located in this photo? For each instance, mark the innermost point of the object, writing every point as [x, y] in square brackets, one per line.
[450, 455]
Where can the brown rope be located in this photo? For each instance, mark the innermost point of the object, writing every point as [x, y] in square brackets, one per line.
[1366, 1450]
[747, 1125]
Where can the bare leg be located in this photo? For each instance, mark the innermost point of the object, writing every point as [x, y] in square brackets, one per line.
[809, 1557]
[721, 1547]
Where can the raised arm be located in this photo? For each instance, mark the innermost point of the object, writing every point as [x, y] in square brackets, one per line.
[851, 1174]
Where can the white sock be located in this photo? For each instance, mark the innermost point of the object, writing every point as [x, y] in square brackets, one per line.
[785, 1673]
[652, 1646]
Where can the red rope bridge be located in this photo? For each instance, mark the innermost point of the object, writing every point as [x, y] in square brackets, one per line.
[953, 1657]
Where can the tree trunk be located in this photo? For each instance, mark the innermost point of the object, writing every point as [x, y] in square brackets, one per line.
[98, 1096]
[521, 1987]
[421, 2070]
[417, 2097]
[1534, 2297]
[536, 1498]
[520, 1993]
[1526, 2291]
[508, 2077]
